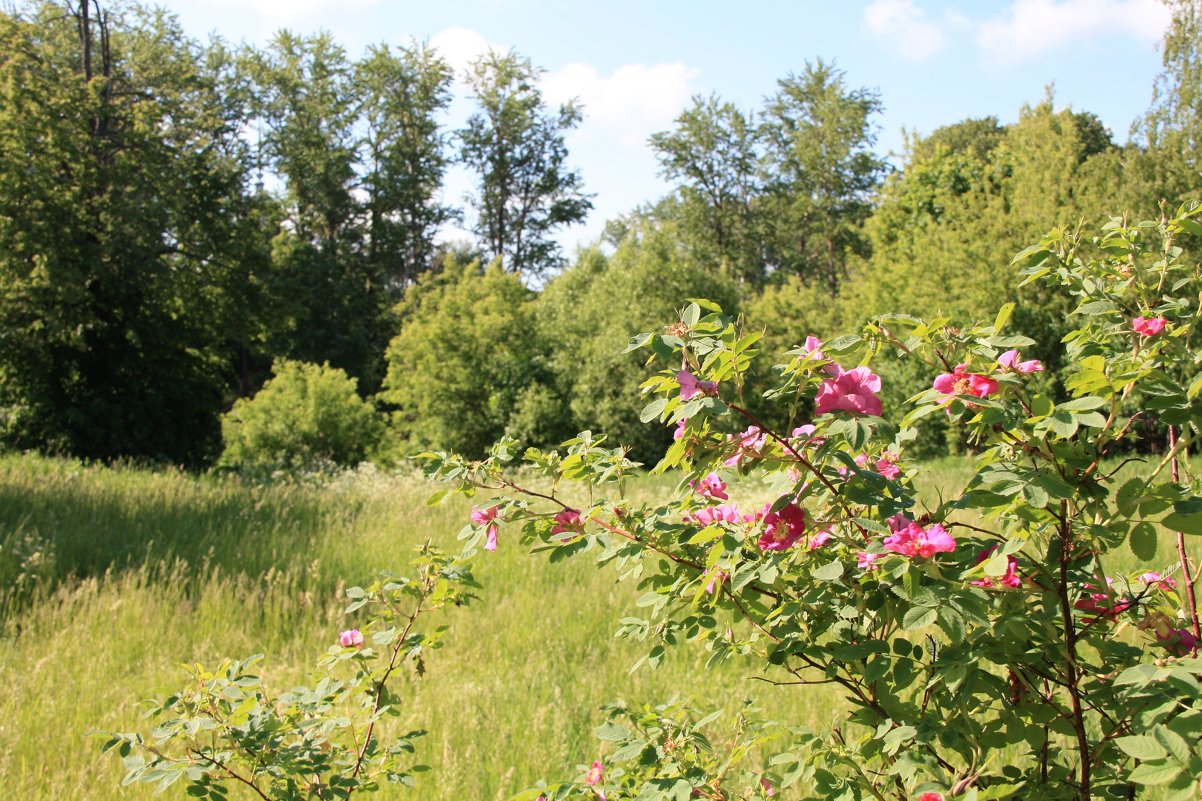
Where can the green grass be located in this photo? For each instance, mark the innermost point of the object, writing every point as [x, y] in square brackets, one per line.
[115, 576]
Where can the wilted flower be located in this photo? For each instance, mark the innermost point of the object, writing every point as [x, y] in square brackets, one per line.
[711, 487]
[1010, 361]
[486, 516]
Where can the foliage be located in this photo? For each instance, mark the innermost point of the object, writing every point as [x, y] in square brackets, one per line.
[464, 359]
[224, 730]
[515, 145]
[305, 415]
[590, 312]
[981, 643]
[131, 255]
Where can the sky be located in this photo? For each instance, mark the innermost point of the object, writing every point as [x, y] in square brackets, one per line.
[634, 66]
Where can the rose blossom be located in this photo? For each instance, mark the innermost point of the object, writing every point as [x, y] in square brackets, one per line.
[691, 386]
[850, 391]
[351, 638]
[1148, 326]
[1010, 361]
[711, 487]
[962, 382]
[482, 516]
[782, 528]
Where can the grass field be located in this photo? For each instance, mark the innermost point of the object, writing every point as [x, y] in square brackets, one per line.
[115, 576]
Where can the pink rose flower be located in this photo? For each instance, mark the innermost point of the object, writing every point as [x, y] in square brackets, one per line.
[750, 444]
[568, 523]
[820, 538]
[914, 540]
[691, 386]
[595, 774]
[486, 516]
[782, 528]
[716, 579]
[1148, 326]
[1010, 361]
[931, 797]
[850, 391]
[679, 432]
[867, 561]
[351, 638]
[962, 382]
[1104, 604]
[1154, 579]
[711, 487]
[1010, 579]
[887, 465]
[1178, 642]
[726, 513]
[767, 787]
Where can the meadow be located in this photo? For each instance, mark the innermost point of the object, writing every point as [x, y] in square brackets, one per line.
[114, 576]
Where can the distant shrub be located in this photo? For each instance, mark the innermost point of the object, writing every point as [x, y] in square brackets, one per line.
[306, 414]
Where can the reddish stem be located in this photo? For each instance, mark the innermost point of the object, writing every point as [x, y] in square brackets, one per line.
[1186, 574]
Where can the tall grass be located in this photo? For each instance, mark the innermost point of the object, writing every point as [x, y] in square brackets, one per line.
[115, 576]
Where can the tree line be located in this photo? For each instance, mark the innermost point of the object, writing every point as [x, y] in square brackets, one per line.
[175, 216]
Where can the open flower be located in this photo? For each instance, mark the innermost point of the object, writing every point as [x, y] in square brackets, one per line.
[486, 516]
[910, 539]
[1148, 326]
[1010, 361]
[595, 773]
[782, 528]
[867, 561]
[568, 523]
[351, 638]
[725, 513]
[1154, 579]
[962, 382]
[711, 487]
[931, 797]
[819, 538]
[850, 391]
[750, 444]
[887, 465]
[1104, 604]
[692, 387]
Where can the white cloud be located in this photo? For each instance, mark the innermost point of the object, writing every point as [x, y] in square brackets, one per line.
[460, 46]
[1031, 27]
[904, 28]
[629, 104]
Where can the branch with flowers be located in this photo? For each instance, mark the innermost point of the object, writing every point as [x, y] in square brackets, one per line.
[984, 646]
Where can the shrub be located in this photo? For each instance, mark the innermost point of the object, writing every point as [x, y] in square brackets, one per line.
[305, 415]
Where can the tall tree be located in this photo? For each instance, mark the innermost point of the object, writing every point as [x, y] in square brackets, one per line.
[515, 144]
[712, 153]
[404, 148]
[130, 250]
[820, 172]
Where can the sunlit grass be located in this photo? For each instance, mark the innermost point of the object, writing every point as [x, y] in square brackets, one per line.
[116, 576]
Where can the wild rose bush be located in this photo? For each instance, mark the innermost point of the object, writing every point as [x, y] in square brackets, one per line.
[985, 648]
[225, 731]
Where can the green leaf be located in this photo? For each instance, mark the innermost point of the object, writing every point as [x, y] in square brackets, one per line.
[1063, 423]
[1041, 406]
[1003, 316]
[653, 409]
[1142, 541]
[830, 571]
[1142, 747]
[1148, 773]
[1085, 404]
[612, 732]
[1174, 743]
[1187, 522]
[918, 617]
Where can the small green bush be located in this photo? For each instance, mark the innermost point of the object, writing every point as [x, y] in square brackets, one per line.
[306, 415]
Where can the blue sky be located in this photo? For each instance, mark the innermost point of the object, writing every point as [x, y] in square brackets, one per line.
[635, 65]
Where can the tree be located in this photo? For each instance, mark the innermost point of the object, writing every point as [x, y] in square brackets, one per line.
[516, 146]
[820, 172]
[131, 253]
[712, 153]
[464, 356]
[405, 155]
